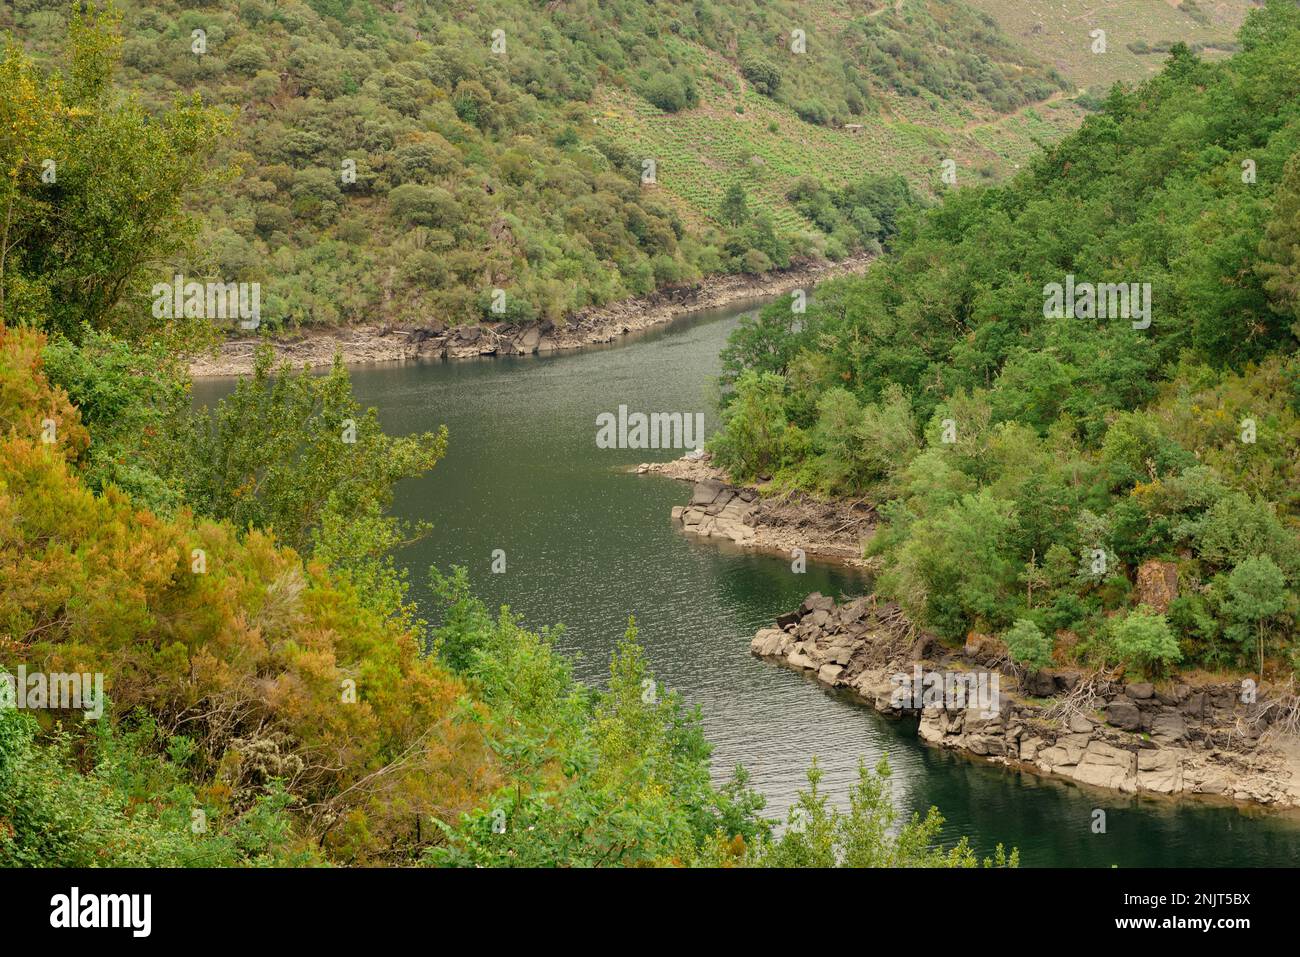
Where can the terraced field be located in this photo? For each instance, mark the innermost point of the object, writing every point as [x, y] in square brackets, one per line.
[737, 135]
[1058, 31]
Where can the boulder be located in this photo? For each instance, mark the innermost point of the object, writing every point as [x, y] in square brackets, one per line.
[798, 659]
[839, 653]
[829, 673]
[1168, 727]
[1123, 714]
[1053, 758]
[931, 727]
[1041, 684]
[720, 501]
[529, 339]
[1080, 725]
[1075, 746]
[1140, 691]
[816, 602]
[705, 492]
[1029, 748]
[1106, 766]
[787, 620]
[767, 642]
[1160, 770]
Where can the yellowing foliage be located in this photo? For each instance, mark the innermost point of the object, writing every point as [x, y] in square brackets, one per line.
[227, 640]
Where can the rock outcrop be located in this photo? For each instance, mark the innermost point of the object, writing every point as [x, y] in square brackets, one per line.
[719, 509]
[743, 515]
[1174, 739]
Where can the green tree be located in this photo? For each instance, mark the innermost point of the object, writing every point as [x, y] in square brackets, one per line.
[734, 210]
[754, 427]
[1279, 249]
[77, 249]
[1256, 593]
[956, 568]
[765, 77]
[134, 400]
[868, 834]
[315, 465]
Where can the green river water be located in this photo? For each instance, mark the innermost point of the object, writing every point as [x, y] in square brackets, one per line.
[587, 544]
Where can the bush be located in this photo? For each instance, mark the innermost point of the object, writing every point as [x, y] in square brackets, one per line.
[666, 92]
[1028, 645]
[765, 78]
[1142, 638]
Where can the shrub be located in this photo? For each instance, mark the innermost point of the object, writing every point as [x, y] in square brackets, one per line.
[1143, 638]
[1028, 645]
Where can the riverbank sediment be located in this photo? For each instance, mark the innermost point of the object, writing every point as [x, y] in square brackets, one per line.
[779, 524]
[433, 339]
[1177, 738]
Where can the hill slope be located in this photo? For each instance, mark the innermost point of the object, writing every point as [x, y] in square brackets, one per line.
[1044, 458]
[501, 145]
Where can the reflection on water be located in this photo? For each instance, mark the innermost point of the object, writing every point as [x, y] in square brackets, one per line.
[588, 544]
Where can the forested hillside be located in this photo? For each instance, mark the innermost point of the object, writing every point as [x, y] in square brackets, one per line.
[1045, 472]
[404, 160]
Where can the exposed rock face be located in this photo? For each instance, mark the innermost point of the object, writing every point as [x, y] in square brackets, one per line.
[740, 514]
[1157, 584]
[1175, 740]
[432, 339]
[721, 510]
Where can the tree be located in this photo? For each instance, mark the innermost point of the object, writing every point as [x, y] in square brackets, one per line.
[1279, 249]
[735, 206]
[765, 77]
[868, 834]
[135, 400]
[752, 440]
[667, 92]
[1256, 592]
[269, 667]
[765, 342]
[317, 470]
[956, 568]
[77, 247]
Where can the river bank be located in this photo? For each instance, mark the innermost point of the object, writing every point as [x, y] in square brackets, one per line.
[785, 524]
[433, 339]
[1181, 737]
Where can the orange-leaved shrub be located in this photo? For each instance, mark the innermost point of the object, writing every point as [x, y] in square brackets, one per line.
[272, 669]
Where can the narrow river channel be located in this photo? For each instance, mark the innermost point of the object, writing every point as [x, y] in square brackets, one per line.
[587, 544]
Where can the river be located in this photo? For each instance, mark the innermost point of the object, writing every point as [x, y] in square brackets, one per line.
[586, 544]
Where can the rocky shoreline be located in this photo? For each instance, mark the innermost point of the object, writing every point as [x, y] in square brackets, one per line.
[433, 339]
[1177, 738]
[779, 524]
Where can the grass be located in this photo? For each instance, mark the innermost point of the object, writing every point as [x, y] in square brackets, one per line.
[700, 152]
[1058, 31]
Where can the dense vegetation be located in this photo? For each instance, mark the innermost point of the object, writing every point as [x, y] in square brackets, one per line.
[1027, 467]
[405, 161]
[274, 696]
